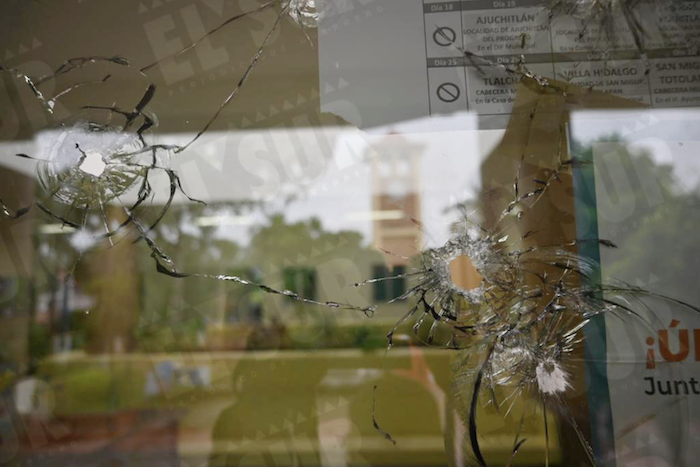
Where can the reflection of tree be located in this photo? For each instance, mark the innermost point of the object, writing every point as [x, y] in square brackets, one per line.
[666, 242]
[185, 306]
[305, 245]
[299, 256]
[193, 248]
[135, 304]
[279, 240]
[659, 237]
[276, 247]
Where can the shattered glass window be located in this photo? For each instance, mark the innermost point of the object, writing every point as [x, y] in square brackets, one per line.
[349, 232]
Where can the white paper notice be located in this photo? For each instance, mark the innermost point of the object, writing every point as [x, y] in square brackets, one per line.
[384, 61]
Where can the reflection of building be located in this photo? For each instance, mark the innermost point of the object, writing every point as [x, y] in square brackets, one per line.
[395, 210]
[396, 197]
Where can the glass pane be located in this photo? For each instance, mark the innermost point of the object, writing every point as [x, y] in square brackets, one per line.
[349, 232]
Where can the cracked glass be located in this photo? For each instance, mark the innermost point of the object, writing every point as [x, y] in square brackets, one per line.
[349, 232]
